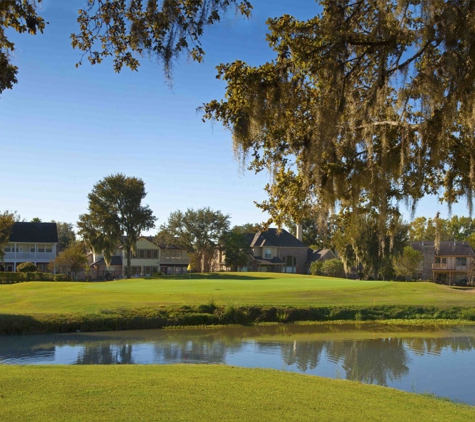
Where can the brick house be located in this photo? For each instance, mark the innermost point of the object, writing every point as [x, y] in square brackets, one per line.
[453, 263]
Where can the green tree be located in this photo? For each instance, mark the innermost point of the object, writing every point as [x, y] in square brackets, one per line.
[122, 29]
[406, 264]
[66, 235]
[70, 261]
[369, 103]
[333, 268]
[26, 267]
[236, 248]
[201, 232]
[21, 16]
[36, 220]
[116, 216]
[358, 240]
[7, 219]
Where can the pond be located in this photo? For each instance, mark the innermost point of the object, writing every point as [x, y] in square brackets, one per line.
[437, 360]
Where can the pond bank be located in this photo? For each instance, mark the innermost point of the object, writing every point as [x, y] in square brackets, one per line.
[210, 314]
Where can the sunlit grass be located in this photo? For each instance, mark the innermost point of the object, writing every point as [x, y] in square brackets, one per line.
[203, 393]
[227, 288]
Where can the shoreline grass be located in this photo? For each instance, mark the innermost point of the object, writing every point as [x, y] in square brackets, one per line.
[204, 392]
[220, 299]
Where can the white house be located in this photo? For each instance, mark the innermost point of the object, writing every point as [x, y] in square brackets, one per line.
[31, 242]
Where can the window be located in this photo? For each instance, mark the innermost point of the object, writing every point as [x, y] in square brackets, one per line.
[141, 253]
[149, 253]
[48, 248]
[444, 260]
[155, 254]
[461, 262]
[267, 253]
[8, 249]
[32, 249]
[41, 248]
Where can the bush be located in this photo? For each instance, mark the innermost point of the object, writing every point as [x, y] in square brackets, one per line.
[316, 268]
[26, 267]
[333, 268]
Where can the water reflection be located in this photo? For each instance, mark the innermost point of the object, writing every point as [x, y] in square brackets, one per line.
[409, 358]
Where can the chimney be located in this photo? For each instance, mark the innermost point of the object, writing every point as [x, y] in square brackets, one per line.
[298, 235]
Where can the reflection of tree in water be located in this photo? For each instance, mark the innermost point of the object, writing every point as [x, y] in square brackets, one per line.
[304, 354]
[434, 346]
[105, 354]
[211, 349]
[371, 361]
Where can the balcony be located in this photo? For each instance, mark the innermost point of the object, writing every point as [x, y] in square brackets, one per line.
[450, 267]
[29, 256]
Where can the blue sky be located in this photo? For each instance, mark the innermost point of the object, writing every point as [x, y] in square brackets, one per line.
[62, 129]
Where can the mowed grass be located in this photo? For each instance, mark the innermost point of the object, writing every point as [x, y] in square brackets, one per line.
[204, 393]
[223, 289]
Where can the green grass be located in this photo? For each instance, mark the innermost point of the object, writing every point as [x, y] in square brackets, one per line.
[224, 289]
[204, 393]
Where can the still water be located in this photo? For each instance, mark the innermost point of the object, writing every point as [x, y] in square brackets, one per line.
[437, 360]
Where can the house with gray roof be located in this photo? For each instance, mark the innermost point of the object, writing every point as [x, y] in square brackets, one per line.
[31, 242]
[452, 263]
[277, 250]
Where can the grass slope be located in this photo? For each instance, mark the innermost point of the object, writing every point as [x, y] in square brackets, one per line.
[203, 393]
[226, 288]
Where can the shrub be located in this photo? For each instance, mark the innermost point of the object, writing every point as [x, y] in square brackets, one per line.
[333, 268]
[316, 268]
[26, 267]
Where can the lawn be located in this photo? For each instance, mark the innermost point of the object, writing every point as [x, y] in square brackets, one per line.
[224, 288]
[203, 393]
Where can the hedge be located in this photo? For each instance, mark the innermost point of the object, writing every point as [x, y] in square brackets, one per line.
[11, 278]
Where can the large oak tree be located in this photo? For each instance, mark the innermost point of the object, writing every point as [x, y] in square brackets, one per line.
[122, 29]
[116, 216]
[366, 105]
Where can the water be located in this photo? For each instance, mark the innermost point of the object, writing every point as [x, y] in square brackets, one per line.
[439, 361]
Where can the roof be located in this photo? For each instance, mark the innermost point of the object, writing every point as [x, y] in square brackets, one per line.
[34, 232]
[274, 237]
[448, 248]
[320, 254]
[115, 260]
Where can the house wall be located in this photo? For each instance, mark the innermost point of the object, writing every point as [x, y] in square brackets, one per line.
[17, 253]
[299, 253]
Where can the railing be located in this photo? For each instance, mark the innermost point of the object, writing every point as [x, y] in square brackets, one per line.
[450, 267]
[30, 256]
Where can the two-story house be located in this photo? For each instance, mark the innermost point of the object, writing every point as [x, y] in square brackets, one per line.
[452, 263]
[31, 242]
[149, 258]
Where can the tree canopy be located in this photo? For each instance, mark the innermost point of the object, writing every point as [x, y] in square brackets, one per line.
[122, 29]
[366, 105]
[116, 216]
[7, 219]
[200, 231]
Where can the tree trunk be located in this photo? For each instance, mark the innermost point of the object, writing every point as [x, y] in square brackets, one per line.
[128, 275]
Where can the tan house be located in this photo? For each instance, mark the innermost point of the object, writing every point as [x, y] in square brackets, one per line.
[149, 258]
[31, 242]
[453, 263]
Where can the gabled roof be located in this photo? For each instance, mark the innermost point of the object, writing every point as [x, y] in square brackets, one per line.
[115, 260]
[34, 233]
[450, 248]
[320, 254]
[273, 238]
